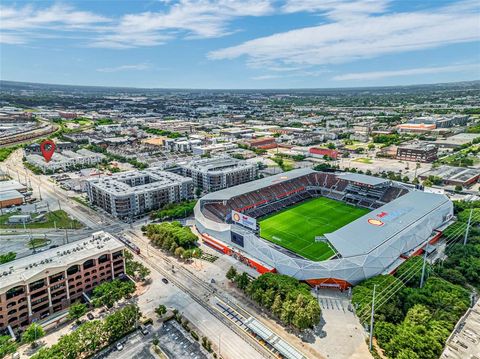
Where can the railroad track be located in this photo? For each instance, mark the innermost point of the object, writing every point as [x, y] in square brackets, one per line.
[203, 301]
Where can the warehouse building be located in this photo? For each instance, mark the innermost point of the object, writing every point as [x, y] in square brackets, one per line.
[418, 152]
[127, 195]
[213, 174]
[454, 176]
[10, 198]
[34, 287]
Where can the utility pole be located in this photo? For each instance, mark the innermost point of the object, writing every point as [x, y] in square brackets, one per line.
[59, 205]
[468, 227]
[371, 317]
[422, 279]
[66, 235]
[39, 193]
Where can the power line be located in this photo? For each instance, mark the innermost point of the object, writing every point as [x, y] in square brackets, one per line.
[406, 276]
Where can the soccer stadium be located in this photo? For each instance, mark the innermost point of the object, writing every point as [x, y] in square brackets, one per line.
[328, 229]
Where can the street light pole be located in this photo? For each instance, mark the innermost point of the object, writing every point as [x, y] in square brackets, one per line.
[371, 317]
[468, 227]
[422, 279]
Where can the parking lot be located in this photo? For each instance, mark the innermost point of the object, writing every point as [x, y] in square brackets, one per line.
[173, 340]
[177, 345]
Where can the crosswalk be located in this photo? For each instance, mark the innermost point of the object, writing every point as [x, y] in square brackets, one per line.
[335, 304]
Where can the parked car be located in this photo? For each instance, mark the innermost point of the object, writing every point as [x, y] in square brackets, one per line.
[119, 346]
[165, 280]
[144, 330]
[90, 316]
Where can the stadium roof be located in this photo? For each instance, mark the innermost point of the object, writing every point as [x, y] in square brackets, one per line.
[228, 193]
[370, 231]
[365, 179]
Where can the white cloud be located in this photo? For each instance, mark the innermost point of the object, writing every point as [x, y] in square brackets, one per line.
[24, 24]
[375, 75]
[137, 67]
[336, 9]
[184, 18]
[187, 18]
[348, 38]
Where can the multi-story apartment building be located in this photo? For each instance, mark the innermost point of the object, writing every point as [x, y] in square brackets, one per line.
[418, 152]
[66, 160]
[34, 287]
[213, 174]
[127, 195]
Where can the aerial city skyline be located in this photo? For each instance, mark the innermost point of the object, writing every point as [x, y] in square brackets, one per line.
[239, 179]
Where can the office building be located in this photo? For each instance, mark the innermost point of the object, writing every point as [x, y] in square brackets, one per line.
[418, 152]
[34, 287]
[127, 195]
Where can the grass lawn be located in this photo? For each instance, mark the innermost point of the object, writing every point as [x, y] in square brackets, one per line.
[363, 160]
[37, 242]
[48, 221]
[295, 228]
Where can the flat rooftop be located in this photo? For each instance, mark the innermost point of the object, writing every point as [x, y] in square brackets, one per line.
[228, 193]
[453, 173]
[11, 185]
[7, 195]
[155, 178]
[363, 179]
[216, 164]
[22, 270]
[361, 236]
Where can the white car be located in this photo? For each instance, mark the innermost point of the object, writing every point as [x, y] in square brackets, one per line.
[119, 346]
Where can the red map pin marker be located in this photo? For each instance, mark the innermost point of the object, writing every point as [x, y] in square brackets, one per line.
[48, 148]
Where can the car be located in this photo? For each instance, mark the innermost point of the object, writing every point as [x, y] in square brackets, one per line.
[119, 346]
[165, 280]
[144, 331]
[90, 316]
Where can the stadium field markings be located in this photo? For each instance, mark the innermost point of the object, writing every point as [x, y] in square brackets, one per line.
[295, 228]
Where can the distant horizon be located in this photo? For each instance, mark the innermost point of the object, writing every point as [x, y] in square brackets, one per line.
[241, 89]
[241, 44]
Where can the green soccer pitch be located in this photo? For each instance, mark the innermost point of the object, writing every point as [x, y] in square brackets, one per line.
[296, 227]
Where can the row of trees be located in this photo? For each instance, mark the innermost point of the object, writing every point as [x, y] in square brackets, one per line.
[174, 238]
[108, 293]
[284, 296]
[175, 210]
[415, 322]
[92, 336]
[135, 269]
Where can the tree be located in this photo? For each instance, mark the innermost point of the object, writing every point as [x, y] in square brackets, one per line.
[76, 310]
[110, 292]
[161, 310]
[32, 333]
[331, 146]
[231, 274]
[179, 252]
[458, 188]
[7, 257]
[7, 345]
[143, 272]
[242, 280]
[371, 146]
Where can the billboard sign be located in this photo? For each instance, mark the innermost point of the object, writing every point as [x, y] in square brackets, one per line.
[244, 220]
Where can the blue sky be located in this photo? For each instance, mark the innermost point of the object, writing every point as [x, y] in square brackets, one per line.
[240, 44]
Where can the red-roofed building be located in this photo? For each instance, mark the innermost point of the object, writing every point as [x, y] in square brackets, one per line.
[321, 152]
